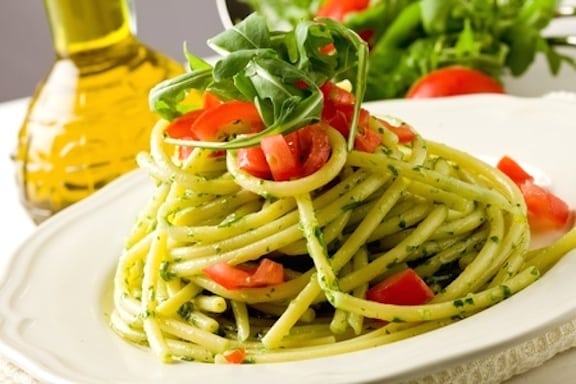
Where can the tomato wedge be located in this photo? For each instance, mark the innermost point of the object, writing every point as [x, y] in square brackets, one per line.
[231, 277]
[253, 161]
[315, 148]
[268, 273]
[403, 288]
[280, 157]
[546, 211]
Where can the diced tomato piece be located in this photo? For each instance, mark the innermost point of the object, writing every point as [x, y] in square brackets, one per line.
[315, 148]
[513, 170]
[336, 95]
[227, 119]
[338, 9]
[403, 288]
[367, 140]
[268, 273]
[297, 154]
[294, 143]
[403, 131]
[231, 277]
[253, 161]
[338, 111]
[235, 356]
[340, 121]
[280, 158]
[545, 210]
[227, 275]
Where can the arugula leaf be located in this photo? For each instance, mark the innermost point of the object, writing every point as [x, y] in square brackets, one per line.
[250, 34]
[285, 13]
[280, 71]
[194, 62]
[165, 97]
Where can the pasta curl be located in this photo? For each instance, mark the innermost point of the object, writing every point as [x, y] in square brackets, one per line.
[362, 217]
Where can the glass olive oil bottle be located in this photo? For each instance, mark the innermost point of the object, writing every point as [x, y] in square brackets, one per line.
[89, 116]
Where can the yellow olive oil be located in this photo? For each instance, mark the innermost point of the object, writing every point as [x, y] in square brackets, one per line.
[89, 116]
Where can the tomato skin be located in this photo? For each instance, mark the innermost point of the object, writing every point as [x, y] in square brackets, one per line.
[452, 81]
[338, 9]
[235, 356]
[513, 170]
[214, 121]
[546, 211]
[338, 112]
[315, 148]
[232, 277]
[253, 161]
[335, 95]
[403, 131]
[227, 275]
[403, 288]
[181, 127]
[280, 157]
[268, 273]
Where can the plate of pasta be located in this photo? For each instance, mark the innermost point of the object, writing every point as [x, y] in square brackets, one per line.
[280, 229]
[57, 304]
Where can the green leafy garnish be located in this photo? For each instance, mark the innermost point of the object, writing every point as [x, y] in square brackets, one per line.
[411, 38]
[280, 71]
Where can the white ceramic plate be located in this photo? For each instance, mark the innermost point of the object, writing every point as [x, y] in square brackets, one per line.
[56, 290]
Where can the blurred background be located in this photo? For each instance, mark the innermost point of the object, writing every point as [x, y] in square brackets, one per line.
[26, 44]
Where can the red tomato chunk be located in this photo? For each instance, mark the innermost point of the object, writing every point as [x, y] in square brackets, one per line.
[546, 211]
[403, 288]
[232, 277]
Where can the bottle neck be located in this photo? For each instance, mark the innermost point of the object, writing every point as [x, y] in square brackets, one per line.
[79, 26]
